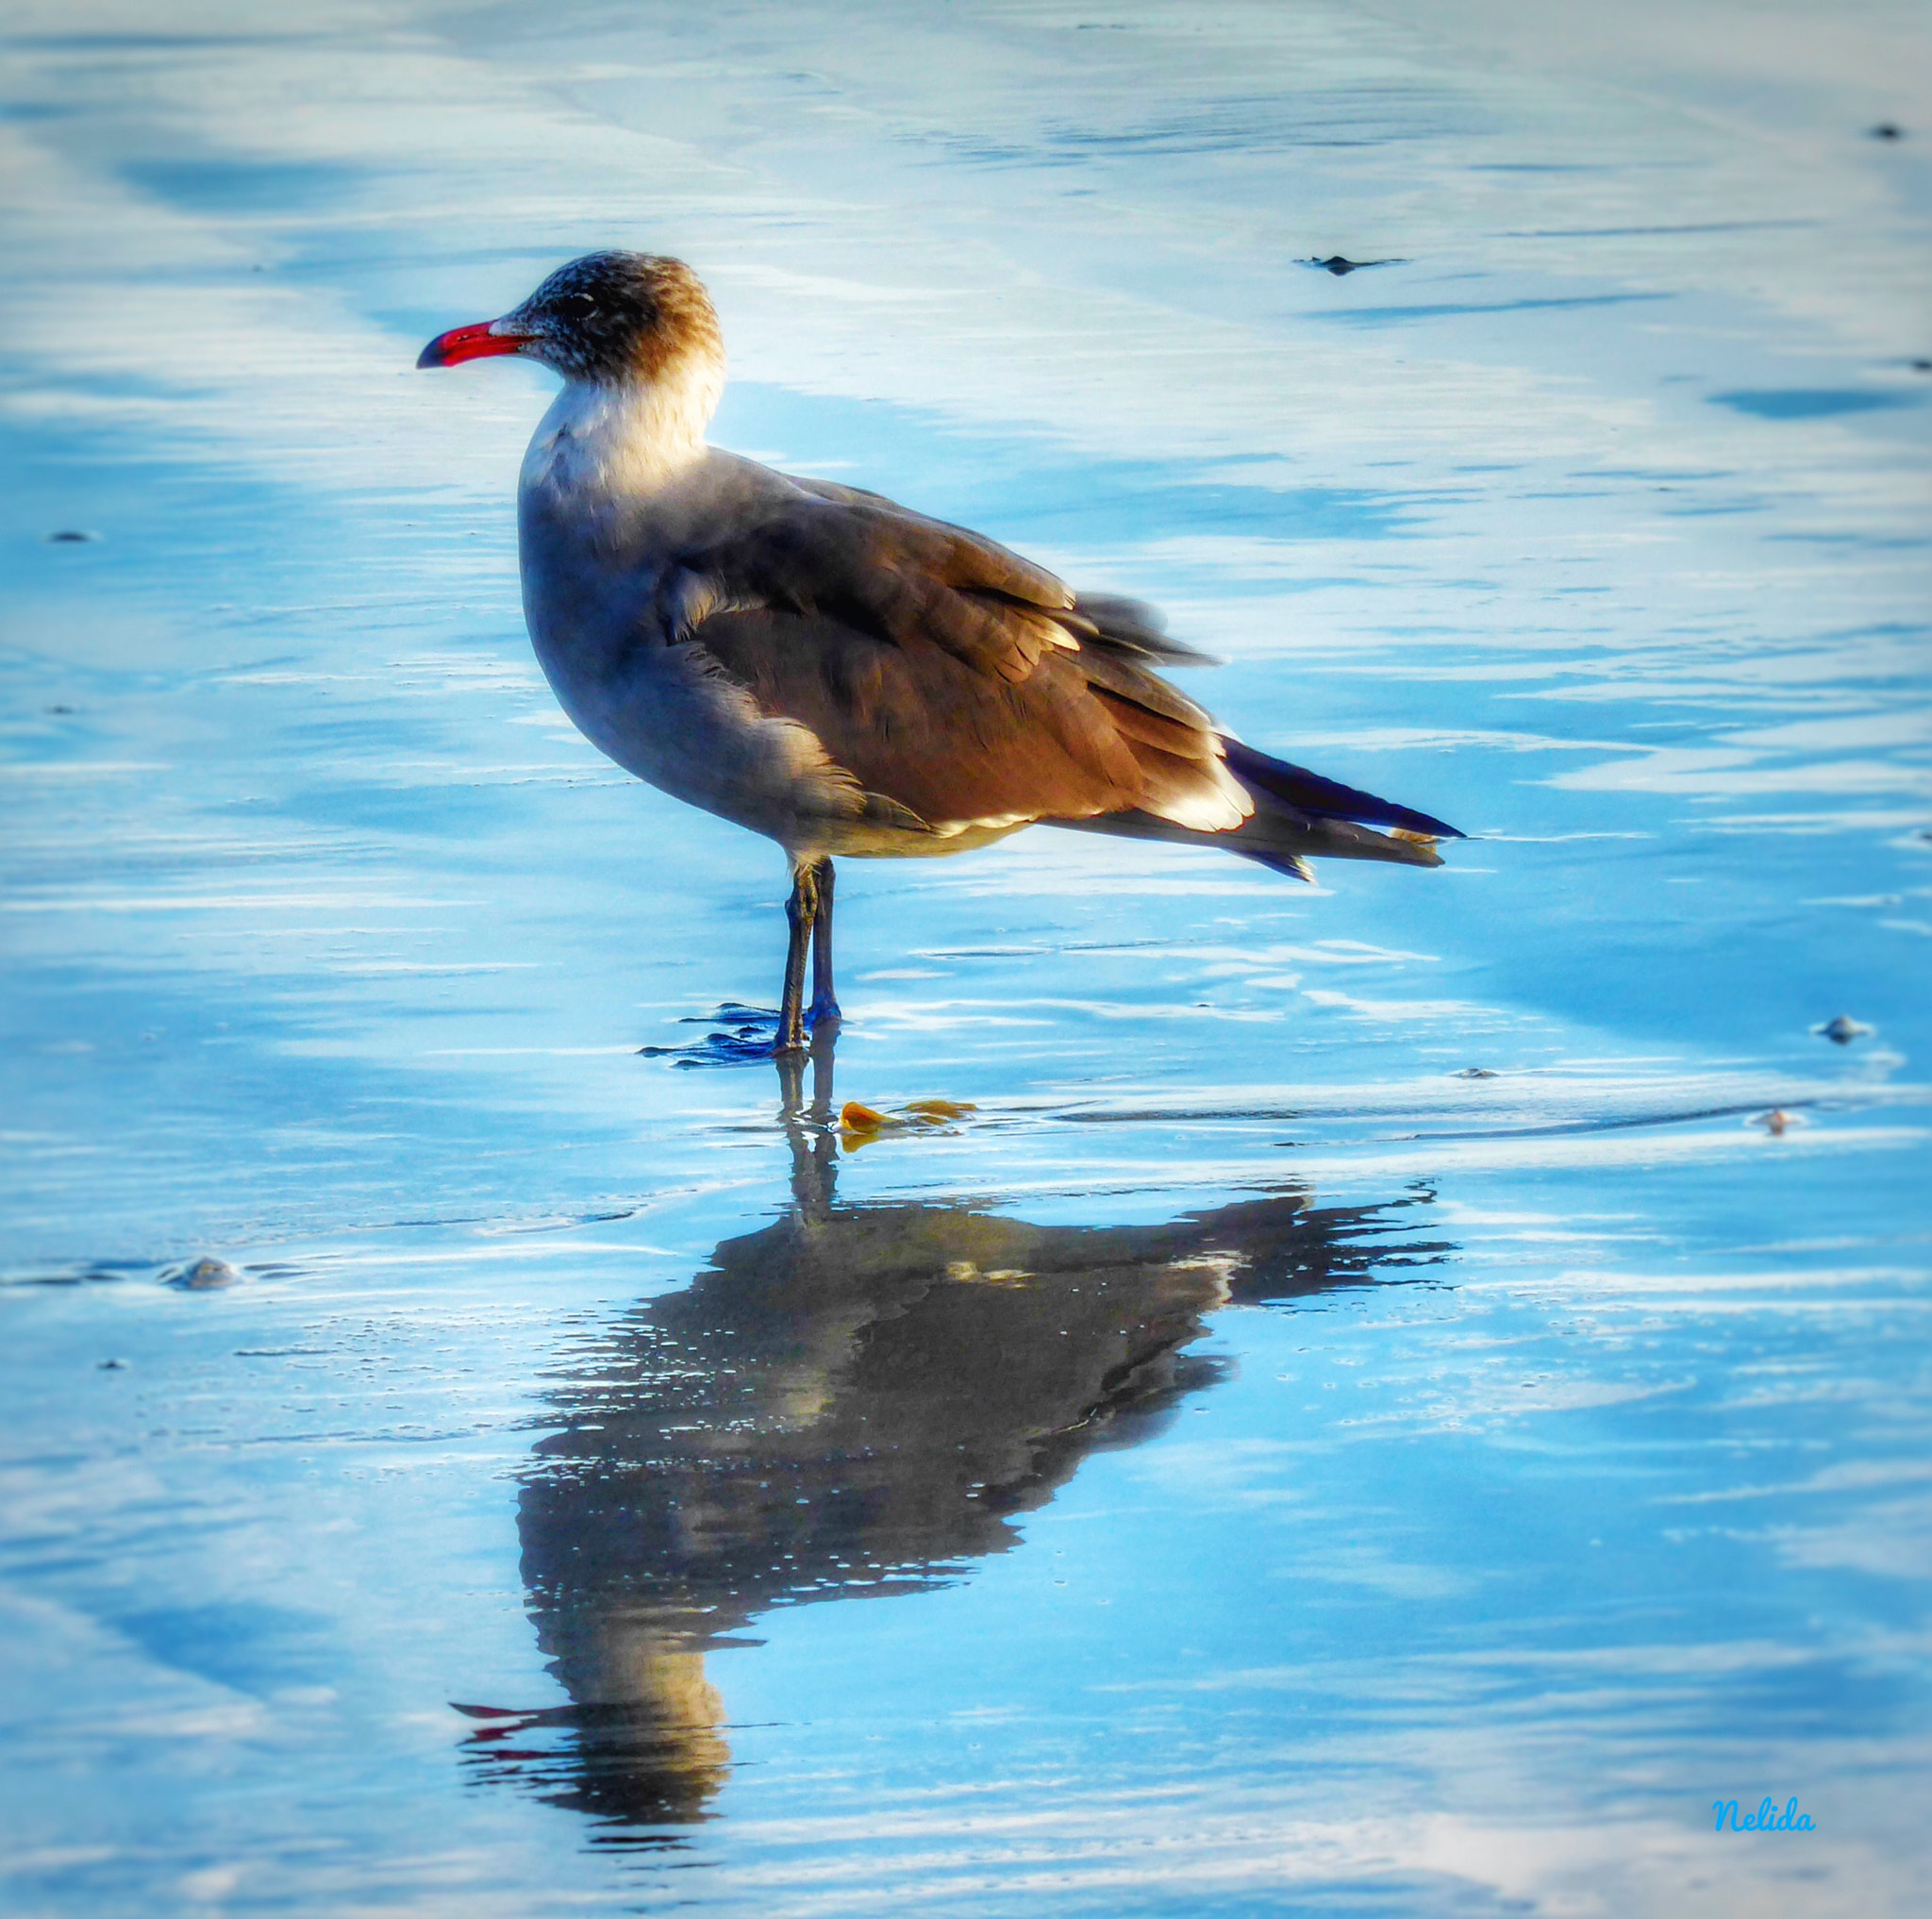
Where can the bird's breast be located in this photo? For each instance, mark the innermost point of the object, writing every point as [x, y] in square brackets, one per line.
[596, 559]
[663, 713]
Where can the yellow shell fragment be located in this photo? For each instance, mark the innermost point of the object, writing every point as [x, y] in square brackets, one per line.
[964, 1273]
[861, 1124]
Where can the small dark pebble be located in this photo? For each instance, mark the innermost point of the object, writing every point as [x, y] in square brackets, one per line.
[1476, 1073]
[1888, 129]
[1842, 1030]
[60, 710]
[69, 536]
[1339, 264]
[112, 1366]
[1921, 366]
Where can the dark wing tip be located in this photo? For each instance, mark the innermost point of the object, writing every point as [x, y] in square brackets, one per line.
[1323, 798]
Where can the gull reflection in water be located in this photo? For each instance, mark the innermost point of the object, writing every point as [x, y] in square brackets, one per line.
[852, 1401]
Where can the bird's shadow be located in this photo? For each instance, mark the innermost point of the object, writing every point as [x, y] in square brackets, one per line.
[852, 1401]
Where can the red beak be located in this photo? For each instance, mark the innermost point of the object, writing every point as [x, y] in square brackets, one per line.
[459, 343]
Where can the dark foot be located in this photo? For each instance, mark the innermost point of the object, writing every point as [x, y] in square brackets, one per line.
[823, 1012]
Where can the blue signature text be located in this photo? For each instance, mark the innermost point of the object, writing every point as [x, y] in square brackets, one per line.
[1766, 1819]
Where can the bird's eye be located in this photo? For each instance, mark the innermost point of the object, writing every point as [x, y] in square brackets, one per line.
[577, 305]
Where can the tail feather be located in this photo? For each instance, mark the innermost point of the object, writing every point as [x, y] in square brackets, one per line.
[1298, 817]
[1273, 839]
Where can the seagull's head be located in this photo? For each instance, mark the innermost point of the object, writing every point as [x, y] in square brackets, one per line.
[608, 319]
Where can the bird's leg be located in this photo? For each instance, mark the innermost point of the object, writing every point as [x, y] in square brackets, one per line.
[825, 1001]
[800, 910]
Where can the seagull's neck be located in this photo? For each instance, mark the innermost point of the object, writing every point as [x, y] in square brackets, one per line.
[608, 442]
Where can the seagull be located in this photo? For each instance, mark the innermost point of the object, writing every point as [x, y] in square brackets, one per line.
[836, 671]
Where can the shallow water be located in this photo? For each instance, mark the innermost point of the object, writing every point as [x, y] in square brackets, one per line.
[1365, 1409]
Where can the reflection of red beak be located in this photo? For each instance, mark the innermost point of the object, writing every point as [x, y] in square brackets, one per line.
[459, 343]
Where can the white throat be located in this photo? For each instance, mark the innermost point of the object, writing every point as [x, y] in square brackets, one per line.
[622, 441]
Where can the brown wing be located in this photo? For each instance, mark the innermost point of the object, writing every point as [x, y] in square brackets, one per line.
[946, 673]
[894, 575]
[1083, 734]
[1124, 625]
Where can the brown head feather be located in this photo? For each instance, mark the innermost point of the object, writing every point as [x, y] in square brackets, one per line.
[610, 318]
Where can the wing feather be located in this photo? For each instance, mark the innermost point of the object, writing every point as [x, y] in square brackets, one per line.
[919, 727]
[947, 675]
[894, 575]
